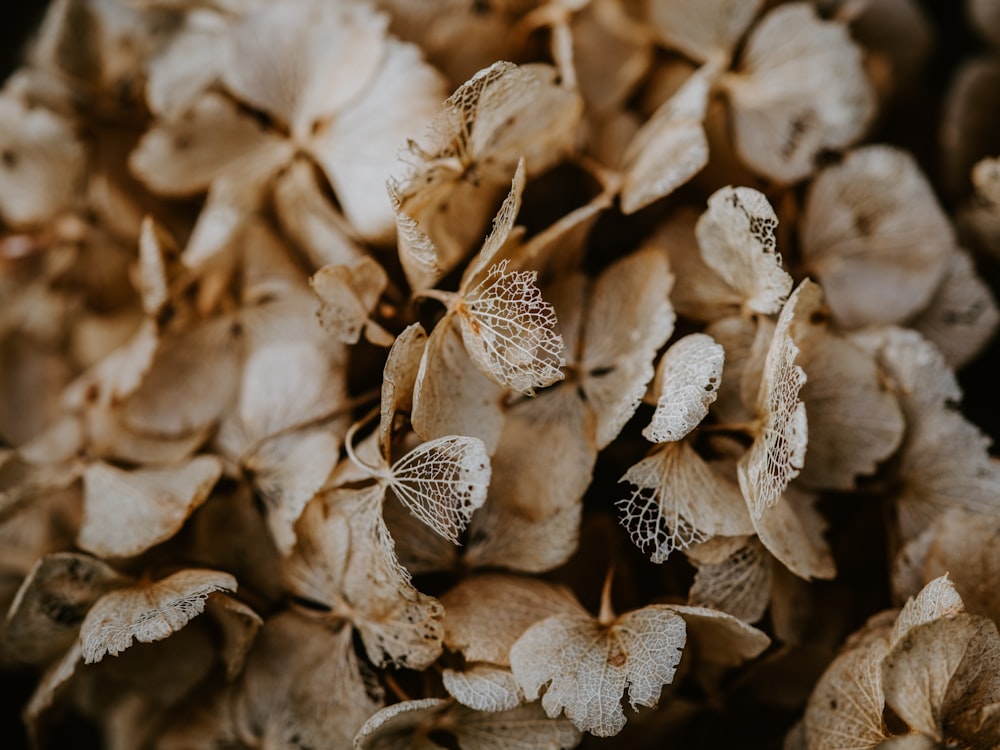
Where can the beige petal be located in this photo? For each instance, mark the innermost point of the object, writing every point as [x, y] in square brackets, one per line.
[855, 421]
[127, 512]
[679, 501]
[629, 317]
[937, 600]
[150, 611]
[239, 625]
[50, 604]
[875, 237]
[801, 88]
[736, 235]
[348, 295]
[41, 163]
[303, 687]
[183, 156]
[745, 344]
[671, 147]
[719, 638]
[703, 30]
[588, 666]
[483, 687]
[442, 482]
[399, 378]
[778, 451]
[792, 530]
[962, 316]
[401, 725]
[451, 395]
[942, 670]
[739, 585]
[503, 225]
[687, 380]
[486, 614]
[357, 150]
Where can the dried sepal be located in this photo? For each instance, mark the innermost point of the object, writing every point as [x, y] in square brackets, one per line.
[778, 452]
[483, 687]
[800, 88]
[127, 512]
[875, 237]
[399, 379]
[149, 611]
[687, 380]
[719, 638]
[486, 614]
[586, 665]
[737, 238]
[792, 530]
[679, 501]
[703, 30]
[740, 584]
[443, 482]
[348, 295]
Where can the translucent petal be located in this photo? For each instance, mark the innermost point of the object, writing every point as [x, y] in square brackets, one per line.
[792, 530]
[587, 667]
[348, 295]
[736, 235]
[687, 379]
[739, 585]
[483, 688]
[718, 638]
[510, 331]
[443, 481]
[148, 612]
[703, 30]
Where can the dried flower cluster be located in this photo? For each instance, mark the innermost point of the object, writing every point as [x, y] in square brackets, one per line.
[360, 358]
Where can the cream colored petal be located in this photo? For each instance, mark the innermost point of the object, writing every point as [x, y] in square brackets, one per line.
[183, 156]
[736, 235]
[483, 687]
[348, 295]
[587, 667]
[686, 383]
[629, 317]
[127, 512]
[510, 331]
[779, 449]
[702, 30]
[792, 530]
[679, 501]
[936, 600]
[399, 377]
[801, 88]
[875, 237]
[303, 687]
[320, 57]
[855, 421]
[399, 726]
[962, 316]
[451, 395]
[670, 148]
[150, 611]
[503, 224]
[309, 218]
[744, 344]
[41, 163]
[357, 150]
[718, 638]
[50, 604]
[739, 585]
[486, 614]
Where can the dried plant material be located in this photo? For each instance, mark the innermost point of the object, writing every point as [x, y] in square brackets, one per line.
[855, 421]
[399, 379]
[778, 451]
[503, 114]
[687, 379]
[736, 235]
[41, 163]
[943, 461]
[344, 562]
[800, 88]
[740, 584]
[586, 664]
[962, 316]
[149, 611]
[239, 626]
[703, 31]
[720, 638]
[483, 687]
[419, 724]
[875, 237]
[679, 501]
[127, 512]
[51, 603]
[792, 531]
[348, 295]
[303, 687]
[671, 147]
[486, 614]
